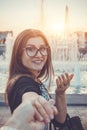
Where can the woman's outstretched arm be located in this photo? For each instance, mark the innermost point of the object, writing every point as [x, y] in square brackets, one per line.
[63, 82]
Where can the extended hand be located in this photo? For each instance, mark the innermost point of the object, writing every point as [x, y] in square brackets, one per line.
[63, 83]
[45, 109]
[23, 118]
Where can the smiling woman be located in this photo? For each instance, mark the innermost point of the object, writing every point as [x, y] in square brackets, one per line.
[30, 65]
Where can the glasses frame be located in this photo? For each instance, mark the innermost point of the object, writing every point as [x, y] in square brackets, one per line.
[38, 50]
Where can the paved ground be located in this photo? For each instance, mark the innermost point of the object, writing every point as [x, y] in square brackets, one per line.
[72, 110]
[80, 111]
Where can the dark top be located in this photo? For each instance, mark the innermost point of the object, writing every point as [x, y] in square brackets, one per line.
[23, 85]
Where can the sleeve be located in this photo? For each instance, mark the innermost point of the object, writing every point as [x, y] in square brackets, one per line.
[22, 85]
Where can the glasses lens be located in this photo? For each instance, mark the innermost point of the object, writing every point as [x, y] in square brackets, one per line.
[31, 51]
[43, 50]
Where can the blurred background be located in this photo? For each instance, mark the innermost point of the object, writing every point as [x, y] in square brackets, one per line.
[64, 22]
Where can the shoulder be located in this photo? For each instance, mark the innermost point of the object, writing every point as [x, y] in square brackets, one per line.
[22, 85]
[26, 79]
[25, 84]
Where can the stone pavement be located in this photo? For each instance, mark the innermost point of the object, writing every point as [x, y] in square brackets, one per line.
[80, 111]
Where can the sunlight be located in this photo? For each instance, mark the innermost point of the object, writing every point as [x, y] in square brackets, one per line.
[57, 27]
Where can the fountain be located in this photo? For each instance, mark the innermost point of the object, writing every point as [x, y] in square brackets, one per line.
[3, 42]
[6, 41]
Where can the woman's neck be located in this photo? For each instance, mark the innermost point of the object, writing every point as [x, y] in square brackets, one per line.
[36, 74]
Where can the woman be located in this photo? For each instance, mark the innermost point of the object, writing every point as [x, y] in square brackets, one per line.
[30, 65]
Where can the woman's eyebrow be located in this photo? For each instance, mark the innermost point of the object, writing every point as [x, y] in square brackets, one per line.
[30, 45]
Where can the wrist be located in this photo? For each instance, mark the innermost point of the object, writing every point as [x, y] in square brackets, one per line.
[13, 123]
[60, 94]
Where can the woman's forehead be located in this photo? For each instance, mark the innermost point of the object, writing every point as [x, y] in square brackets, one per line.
[37, 41]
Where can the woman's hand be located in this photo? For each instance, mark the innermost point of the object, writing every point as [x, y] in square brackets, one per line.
[44, 109]
[63, 83]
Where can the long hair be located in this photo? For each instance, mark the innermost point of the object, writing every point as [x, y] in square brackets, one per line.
[17, 69]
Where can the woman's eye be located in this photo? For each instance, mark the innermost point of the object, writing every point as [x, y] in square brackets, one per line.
[43, 48]
[31, 48]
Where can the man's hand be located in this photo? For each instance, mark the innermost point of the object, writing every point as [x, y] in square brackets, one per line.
[23, 118]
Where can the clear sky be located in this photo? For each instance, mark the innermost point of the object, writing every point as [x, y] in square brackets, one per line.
[17, 15]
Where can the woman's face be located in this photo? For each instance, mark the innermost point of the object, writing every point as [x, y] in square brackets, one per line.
[34, 55]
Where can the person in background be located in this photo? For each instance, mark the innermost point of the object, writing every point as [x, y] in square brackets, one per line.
[30, 67]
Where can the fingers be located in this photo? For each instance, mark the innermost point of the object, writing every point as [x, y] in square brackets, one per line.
[38, 115]
[68, 78]
[52, 103]
[45, 108]
[64, 80]
[71, 76]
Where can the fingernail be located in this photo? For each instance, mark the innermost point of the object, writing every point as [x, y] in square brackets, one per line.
[47, 120]
[51, 116]
[41, 118]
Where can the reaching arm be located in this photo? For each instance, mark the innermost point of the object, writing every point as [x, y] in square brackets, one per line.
[23, 118]
[63, 83]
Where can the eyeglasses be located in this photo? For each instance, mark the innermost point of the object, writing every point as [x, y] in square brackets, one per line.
[32, 50]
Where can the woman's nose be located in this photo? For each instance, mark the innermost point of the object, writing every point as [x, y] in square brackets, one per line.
[38, 54]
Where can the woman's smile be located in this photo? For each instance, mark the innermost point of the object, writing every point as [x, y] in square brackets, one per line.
[37, 61]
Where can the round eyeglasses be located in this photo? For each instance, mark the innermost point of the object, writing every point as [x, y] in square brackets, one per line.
[32, 50]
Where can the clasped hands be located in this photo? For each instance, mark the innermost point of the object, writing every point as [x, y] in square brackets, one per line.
[33, 115]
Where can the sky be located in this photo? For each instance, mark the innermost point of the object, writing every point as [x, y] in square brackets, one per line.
[17, 15]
